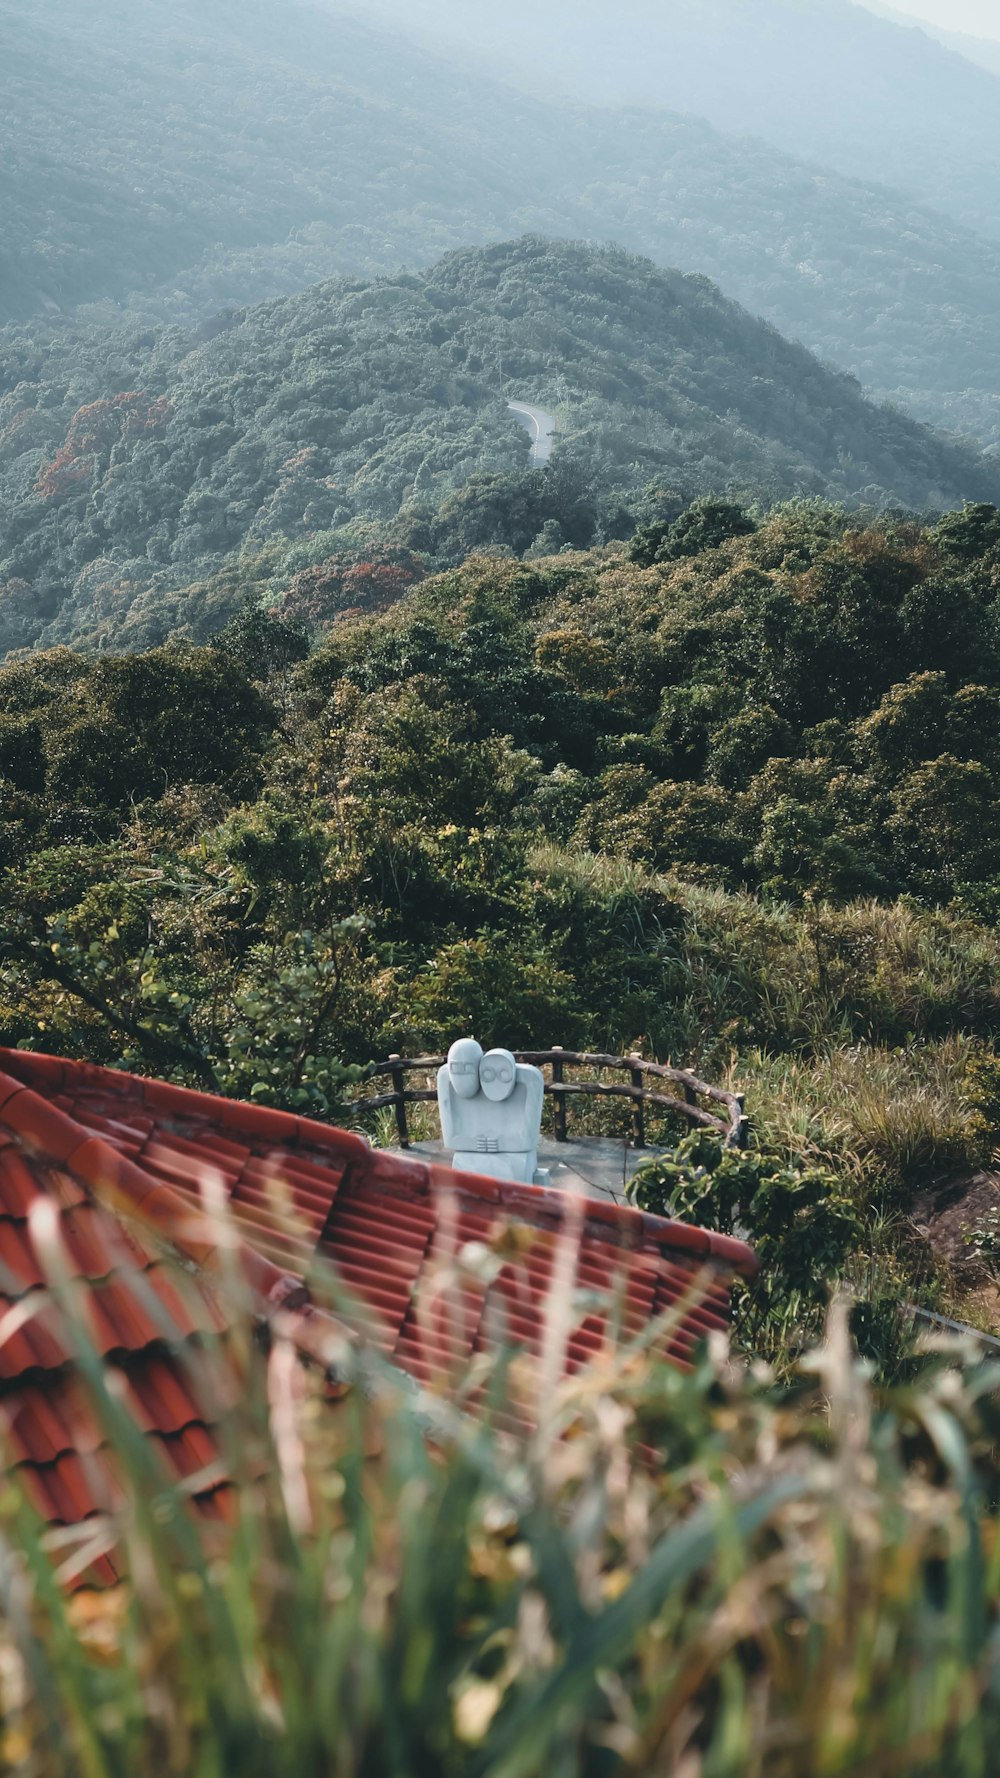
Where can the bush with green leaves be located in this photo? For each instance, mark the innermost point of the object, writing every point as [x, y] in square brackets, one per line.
[706, 524]
[799, 1220]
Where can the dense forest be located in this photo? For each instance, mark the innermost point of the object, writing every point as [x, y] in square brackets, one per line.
[824, 79]
[373, 416]
[729, 792]
[178, 159]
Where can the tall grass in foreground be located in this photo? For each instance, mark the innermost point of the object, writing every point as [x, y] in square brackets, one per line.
[680, 1574]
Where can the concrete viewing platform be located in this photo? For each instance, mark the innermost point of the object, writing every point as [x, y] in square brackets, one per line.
[597, 1166]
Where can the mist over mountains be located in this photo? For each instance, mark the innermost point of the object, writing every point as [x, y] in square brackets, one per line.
[985, 51]
[975, 49]
[824, 79]
[179, 167]
[174, 160]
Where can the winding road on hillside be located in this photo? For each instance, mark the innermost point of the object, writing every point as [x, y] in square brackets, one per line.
[543, 428]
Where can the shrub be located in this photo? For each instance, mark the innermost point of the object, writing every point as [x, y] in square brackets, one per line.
[799, 1219]
[706, 524]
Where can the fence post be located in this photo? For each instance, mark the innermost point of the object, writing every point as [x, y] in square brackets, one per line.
[638, 1107]
[559, 1098]
[399, 1088]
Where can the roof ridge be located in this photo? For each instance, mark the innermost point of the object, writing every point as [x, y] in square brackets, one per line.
[133, 1158]
[287, 1129]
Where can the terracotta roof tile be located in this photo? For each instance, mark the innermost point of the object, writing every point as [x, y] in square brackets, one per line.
[65, 1190]
[124, 1317]
[278, 1186]
[185, 1308]
[189, 1451]
[19, 1269]
[219, 1503]
[161, 1396]
[73, 1488]
[31, 1336]
[123, 1161]
[44, 1423]
[18, 1184]
[96, 1246]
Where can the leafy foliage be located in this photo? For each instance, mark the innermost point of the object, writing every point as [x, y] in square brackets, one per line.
[800, 1221]
[736, 809]
[704, 525]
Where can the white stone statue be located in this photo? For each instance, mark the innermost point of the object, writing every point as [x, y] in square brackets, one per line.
[491, 1113]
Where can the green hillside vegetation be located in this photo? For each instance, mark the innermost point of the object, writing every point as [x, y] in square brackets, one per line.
[179, 160]
[730, 795]
[135, 464]
[330, 730]
[726, 794]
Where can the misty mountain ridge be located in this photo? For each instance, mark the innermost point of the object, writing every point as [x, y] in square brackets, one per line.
[178, 160]
[981, 50]
[826, 80]
[138, 458]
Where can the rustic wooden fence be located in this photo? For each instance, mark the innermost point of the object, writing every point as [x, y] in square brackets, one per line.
[724, 1112]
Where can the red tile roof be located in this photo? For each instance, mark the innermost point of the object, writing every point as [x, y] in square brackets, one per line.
[122, 1162]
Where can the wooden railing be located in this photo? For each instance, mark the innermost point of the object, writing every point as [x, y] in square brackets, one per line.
[728, 1119]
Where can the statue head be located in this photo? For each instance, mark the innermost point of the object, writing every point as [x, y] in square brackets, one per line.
[464, 1058]
[498, 1075]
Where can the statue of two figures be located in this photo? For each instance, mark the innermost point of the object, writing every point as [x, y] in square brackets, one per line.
[491, 1113]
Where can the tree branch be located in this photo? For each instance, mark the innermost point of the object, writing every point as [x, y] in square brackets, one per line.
[154, 1047]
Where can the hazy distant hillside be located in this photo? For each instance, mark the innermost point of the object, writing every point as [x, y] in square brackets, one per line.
[187, 158]
[974, 49]
[821, 78]
[177, 142]
[124, 457]
[880, 287]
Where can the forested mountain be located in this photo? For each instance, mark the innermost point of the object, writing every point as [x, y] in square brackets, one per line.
[131, 455]
[179, 159]
[167, 145]
[825, 79]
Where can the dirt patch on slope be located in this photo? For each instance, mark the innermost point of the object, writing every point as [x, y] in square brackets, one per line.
[949, 1217]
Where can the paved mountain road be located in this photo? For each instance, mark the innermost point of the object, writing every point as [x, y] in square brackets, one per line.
[542, 427]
